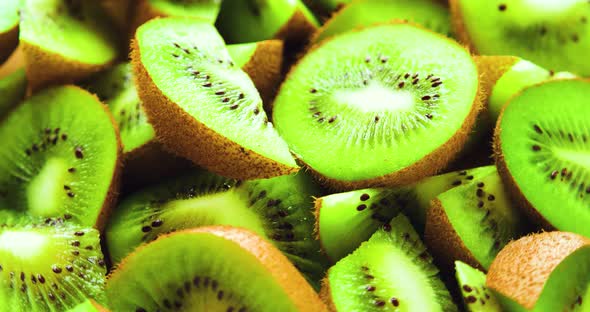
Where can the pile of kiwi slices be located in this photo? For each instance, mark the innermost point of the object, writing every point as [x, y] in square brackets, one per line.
[294, 155]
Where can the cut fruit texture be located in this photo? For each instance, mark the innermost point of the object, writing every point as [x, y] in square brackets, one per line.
[8, 27]
[476, 296]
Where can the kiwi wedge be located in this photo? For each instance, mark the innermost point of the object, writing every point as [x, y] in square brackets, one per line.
[201, 105]
[64, 41]
[392, 115]
[216, 268]
[548, 271]
[391, 271]
[472, 222]
[49, 268]
[476, 296]
[362, 13]
[553, 34]
[60, 158]
[540, 146]
[241, 21]
[263, 62]
[8, 27]
[12, 91]
[277, 209]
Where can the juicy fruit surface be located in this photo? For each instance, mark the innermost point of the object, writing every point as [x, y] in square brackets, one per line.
[59, 156]
[543, 146]
[49, 268]
[8, 15]
[222, 96]
[553, 34]
[399, 95]
[476, 296]
[12, 91]
[206, 9]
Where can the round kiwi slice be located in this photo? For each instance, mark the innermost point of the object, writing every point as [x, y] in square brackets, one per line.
[553, 34]
[12, 91]
[8, 28]
[541, 148]
[374, 107]
[362, 13]
[49, 268]
[278, 209]
[263, 62]
[217, 268]
[60, 158]
[476, 296]
[242, 21]
[64, 41]
[472, 222]
[392, 271]
[201, 105]
[549, 271]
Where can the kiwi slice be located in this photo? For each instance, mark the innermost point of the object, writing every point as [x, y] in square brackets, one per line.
[362, 13]
[476, 296]
[472, 222]
[205, 10]
[278, 209]
[394, 114]
[241, 21]
[263, 62]
[552, 34]
[49, 268]
[60, 158]
[12, 91]
[559, 282]
[541, 146]
[366, 210]
[216, 268]
[8, 27]
[201, 105]
[391, 271]
[64, 41]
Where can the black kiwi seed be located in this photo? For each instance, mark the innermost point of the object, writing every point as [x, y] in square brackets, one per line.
[502, 7]
[536, 148]
[554, 174]
[538, 129]
[365, 197]
[78, 152]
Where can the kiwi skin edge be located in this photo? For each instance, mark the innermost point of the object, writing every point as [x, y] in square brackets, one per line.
[8, 43]
[459, 28]
[268, 53]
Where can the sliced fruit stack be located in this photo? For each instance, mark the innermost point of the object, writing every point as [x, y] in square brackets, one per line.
[290, 155]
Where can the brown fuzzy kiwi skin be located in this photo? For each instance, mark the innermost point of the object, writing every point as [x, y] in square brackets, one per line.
[317, 202]
[189, 138]
[443, 241]
[8, 42]
[459, 28]
[297, 30]
[265, 70]
[14, 62]
[118, 10]
[273, 260]
[521, 269]
[491, 69]
[326, 295]
[430, 164]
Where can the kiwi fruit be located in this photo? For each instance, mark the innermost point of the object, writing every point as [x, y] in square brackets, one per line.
[8, 28]
[12, 91]
[49, 268]
[366, 210]
[242, 21]
[217, 268]
[476, 296]
[362, 13]
[278, 209]
[263, 62]
[64, 41]
[553, 34]
[400, 97]
[391, 271]
[548, 271]
[60, 158]
[539, 146]
[89, 306]
[201, 105]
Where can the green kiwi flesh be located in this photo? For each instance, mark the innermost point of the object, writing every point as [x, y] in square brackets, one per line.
[476, 297]
[59, 157]
[541, 148]
[12, 91]
[362, 13]
[241, 53]
[87, 306]
[8, 28]
[553, 34]
[392, 271]
[242, 21]
[197, 74]
[116, 89]
[49, 268]
[278, 209]
[399, 94]
[206, 10]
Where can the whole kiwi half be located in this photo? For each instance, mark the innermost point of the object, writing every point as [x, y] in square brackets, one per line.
[374, 108]
[210, 269]
[201, 105]
[540, 148]
[8, 28]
